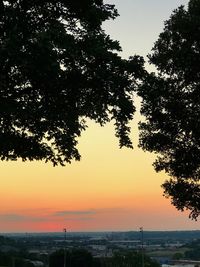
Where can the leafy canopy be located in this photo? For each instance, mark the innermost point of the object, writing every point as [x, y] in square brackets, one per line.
[171, 105]
[57, 69]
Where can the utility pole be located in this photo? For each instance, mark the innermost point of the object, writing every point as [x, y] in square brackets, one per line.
[142, 244]
[65, 233]
[13, 261]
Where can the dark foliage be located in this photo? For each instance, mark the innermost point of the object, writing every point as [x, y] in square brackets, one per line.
[5, 260]
[14, 258]
[194, 250]
[82, 258]
[171, 105]
[131, 259]
[75, 258]
[57, 69]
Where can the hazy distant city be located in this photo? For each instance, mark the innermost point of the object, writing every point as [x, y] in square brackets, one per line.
[177, 248]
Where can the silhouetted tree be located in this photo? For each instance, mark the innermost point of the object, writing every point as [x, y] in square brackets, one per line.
[171, 105]
[178, 256]
[57, 258]
[83, 258]
[58, 68]
[193, 251]
[75, 258]
[130, 259]
[5, 260]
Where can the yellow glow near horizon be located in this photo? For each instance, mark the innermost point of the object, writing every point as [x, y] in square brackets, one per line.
[109, 189]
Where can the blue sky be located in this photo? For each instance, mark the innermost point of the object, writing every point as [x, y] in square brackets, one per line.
[139, 23]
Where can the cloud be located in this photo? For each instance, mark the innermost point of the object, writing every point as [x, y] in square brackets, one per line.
[88, 214]
[113, 210]
[13, 217]
[74, 212]
[69, 215]
[78, 218]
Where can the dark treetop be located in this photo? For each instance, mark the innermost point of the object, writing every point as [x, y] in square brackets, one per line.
[171, 105]
[58, 68]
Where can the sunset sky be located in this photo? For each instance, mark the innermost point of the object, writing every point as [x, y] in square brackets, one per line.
[109, 189]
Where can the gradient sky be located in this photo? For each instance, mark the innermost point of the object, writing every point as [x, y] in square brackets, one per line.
[110, 189]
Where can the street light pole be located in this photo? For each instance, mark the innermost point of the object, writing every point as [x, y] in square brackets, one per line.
[65, 233]
[142, 244]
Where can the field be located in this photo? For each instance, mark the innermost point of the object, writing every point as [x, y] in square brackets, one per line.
[167, 252]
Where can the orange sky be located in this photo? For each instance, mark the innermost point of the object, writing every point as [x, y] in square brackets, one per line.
[110, 189]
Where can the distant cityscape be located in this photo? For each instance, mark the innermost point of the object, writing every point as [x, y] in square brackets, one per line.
[167, 248]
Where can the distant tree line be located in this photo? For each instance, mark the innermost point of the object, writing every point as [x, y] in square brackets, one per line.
[194, 250]
[190, 251]
[76, 258]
